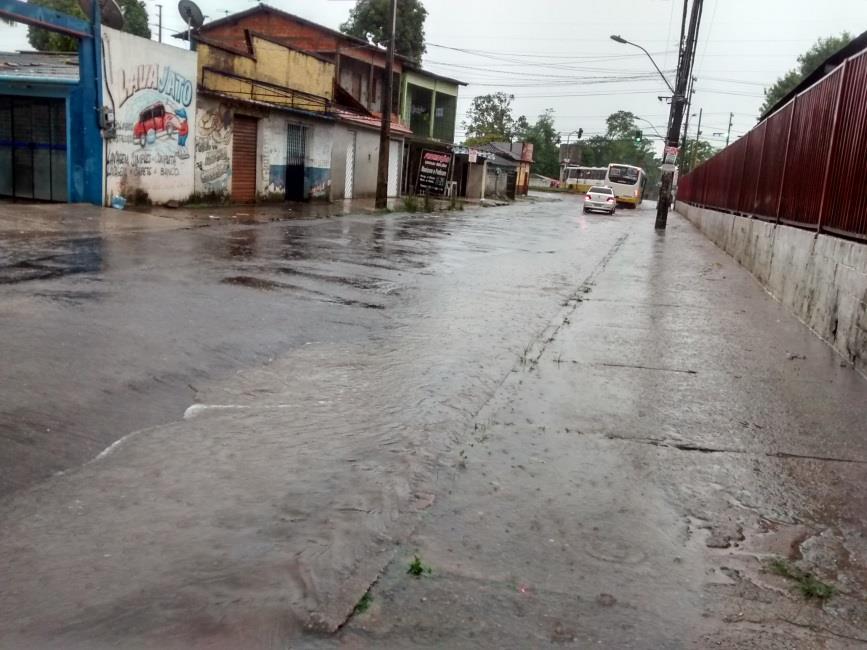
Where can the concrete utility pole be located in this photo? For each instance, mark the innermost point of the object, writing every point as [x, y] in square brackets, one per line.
[160, 23]
[678, 102]
[385, 129]
[729, 134]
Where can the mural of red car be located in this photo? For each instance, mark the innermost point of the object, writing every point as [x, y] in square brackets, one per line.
[154, 121]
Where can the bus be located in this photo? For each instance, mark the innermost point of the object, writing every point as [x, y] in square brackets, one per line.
[628, 183]
[581, 178]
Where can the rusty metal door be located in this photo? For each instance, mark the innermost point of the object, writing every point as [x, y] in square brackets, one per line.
[244, 159]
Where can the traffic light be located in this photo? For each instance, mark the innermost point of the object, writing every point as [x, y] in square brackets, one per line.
[580, 133]
[637, 136]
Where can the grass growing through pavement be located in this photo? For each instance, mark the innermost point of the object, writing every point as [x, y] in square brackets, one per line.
[364, 604]
[417, 568]
[809, 586]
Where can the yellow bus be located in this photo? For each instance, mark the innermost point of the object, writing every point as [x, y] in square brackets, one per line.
[628, 183]
[580, 179]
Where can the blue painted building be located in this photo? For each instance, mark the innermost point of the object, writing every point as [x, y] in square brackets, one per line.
[50, 139]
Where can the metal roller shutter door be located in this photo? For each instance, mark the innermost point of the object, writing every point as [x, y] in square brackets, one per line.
[244, 159]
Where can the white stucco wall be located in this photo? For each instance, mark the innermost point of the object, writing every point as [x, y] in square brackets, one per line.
[366, 161]
[272, 146]
[154, 157]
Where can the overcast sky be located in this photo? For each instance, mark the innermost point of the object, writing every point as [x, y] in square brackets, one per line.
[557, 54]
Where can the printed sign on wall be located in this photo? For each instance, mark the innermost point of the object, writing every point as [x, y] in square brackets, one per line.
[433, 172]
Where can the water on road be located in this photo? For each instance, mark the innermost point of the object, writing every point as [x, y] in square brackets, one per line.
[221, 437]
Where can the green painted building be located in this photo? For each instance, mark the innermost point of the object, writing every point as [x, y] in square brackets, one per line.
[429, 105]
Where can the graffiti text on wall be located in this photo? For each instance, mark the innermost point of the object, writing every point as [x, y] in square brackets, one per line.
[148, 76]
[142, 163]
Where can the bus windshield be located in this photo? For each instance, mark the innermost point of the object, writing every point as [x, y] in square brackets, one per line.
[623, 175]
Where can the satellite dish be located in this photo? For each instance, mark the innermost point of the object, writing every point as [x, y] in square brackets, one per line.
[109, 11]
[191, 13]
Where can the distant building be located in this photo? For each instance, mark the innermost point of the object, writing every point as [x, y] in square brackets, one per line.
[514, 155]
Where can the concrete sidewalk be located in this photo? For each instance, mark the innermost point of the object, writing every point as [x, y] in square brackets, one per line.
[664, 440]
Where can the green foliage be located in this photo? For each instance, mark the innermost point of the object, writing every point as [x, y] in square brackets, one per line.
[489, 119]
[364, 604]
[620, 145]
[807, 63]
[135, 18]
[417, 568]
[809, 586]
[695, 152]
[46, 41]
[369, 20]
[135, 22]
[546, 143]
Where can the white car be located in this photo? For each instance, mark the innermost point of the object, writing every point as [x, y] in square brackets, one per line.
[600, 198]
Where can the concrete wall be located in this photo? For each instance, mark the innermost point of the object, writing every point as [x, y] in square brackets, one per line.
[271, 63]
[822, 279]
[213, 172]
[476, 179]
[496, 185]
[148, 158]
[272, 145]
[366, 162]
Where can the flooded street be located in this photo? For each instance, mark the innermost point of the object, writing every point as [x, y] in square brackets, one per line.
[217, 434]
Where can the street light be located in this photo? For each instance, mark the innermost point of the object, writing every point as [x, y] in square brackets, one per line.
[619, 39]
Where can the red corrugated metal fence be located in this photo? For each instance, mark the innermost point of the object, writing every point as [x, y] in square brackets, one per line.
[805, 165]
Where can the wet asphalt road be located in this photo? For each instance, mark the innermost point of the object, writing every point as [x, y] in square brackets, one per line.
[593, 435]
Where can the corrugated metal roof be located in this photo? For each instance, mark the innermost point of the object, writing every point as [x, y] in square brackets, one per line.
[52, 66]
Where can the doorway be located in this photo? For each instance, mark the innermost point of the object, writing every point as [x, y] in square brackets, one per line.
[296, 153]
[33, 148]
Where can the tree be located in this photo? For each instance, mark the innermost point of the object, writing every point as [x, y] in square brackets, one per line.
[546, 142]
[46, 41]
[135, 21]
[807, 63]
[695, 152]
[135, 17]
[620, 145]
[369, 20]
[489, 119]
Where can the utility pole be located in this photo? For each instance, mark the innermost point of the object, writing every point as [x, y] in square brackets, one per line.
[729, 134]
[160, 23]
[678, 102]
[681, 163]
[385, 128]
[697, 138]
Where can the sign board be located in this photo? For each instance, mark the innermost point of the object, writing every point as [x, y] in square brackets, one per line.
[670, 155]
[668, 167]
[433, 172]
